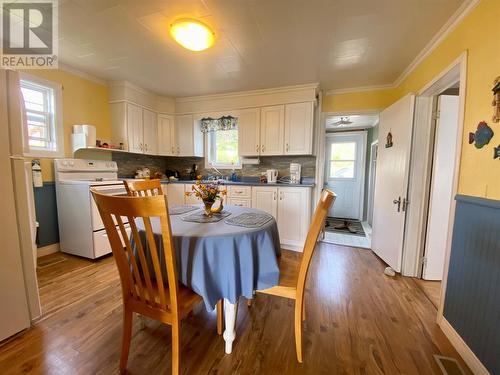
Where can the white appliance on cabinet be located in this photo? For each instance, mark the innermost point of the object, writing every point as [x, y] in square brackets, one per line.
[81, 230]
[19, 292]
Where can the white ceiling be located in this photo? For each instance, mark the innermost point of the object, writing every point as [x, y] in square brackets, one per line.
[260, 43]
[356, 122]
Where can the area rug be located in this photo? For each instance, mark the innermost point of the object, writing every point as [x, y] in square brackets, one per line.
[344, 226]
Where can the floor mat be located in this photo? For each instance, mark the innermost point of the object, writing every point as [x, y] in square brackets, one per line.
[344, 226]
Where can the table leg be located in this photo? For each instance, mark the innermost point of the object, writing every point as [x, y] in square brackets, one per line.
[230, 311]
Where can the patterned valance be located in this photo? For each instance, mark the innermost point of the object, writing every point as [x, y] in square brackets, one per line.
[209, 124]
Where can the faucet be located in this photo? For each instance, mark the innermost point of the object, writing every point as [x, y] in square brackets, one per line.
[218, 172]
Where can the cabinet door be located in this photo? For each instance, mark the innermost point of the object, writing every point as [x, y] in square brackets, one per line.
[248, 131]
[293, 215]
[134, 128]
[175, 194]
[184, 136]
[265, 198]
[150, 127]
[239, 202]
[298, 128]
[166, 134]
[272, 129]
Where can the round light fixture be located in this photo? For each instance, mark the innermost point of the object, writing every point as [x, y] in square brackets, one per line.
[192, 34]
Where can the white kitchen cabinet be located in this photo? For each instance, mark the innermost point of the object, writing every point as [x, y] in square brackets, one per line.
[272, 130]
[188, 136]
[294, 214]
[134, 126]
[191, 199]
[265, 198]
[239, 202]
[166, 135]
[248, 131]
[150, 132]
[175, 194]
[299, 128]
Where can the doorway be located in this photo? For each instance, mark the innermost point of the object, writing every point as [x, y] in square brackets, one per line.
[347, 172]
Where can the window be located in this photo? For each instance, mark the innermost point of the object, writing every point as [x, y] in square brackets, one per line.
[223, 149]
[44, 127]
[342, 160]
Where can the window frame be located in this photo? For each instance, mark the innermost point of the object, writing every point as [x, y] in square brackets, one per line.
[209, 149]
[56, 128]
[329, 161]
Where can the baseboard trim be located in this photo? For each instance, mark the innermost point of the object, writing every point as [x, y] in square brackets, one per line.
[46, 250]
[459, 344]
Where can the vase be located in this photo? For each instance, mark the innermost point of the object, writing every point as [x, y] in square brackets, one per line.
[208, 207]
[218, 209]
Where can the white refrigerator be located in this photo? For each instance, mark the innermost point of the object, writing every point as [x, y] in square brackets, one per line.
[20, 302]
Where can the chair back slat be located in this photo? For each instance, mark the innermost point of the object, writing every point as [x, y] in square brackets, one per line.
[150, 296]
[143, 188]
[318, 221]
[141, 281]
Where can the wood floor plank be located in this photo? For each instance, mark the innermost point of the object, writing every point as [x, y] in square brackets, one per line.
[359, 321]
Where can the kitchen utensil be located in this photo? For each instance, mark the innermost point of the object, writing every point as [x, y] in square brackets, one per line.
[272, 175]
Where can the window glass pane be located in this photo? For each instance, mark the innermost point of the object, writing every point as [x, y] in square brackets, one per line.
[343, 151]
[33, 99]
[341, 169]
[225, 150]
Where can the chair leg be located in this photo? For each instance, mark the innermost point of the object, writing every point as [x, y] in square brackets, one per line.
[220, 316]
[298, 331]
[249, 302]
[175, 348]
[126, 338]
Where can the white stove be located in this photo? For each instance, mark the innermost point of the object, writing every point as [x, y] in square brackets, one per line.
[81, 230]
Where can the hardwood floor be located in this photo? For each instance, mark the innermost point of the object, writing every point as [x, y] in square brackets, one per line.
[358, 321]
[432, 289]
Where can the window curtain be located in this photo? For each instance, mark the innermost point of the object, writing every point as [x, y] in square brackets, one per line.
[209, 124]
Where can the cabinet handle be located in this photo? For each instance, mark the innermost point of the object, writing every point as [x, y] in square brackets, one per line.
[141, 147]
[178, 150]
[145, 146]
[262, 148]
[281, 195]
[173, 150]
[274, 195]
[257, 148]
[287, 148]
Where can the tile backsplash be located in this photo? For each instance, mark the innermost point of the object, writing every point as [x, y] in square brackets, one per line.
[129, 163]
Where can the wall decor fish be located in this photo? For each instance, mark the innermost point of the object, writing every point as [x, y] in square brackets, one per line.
[496, 152]
[481, 136]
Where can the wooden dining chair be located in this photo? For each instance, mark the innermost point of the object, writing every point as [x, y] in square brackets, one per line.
[293, 272]
[144, 289]
[143, 188]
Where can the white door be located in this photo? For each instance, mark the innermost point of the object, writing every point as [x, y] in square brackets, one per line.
[345, 170]
[293, 215]
[445, 148]
[265, 198]
[166, 134]
[299, 128]
[391, 181]
[272, 130]
[150, 126]
[248, 131]
[184, 136]
[134, 128]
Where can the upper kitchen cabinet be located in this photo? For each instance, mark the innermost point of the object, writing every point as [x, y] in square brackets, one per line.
[248, 131]
[272, 130]
[299, 128]
[188, 136]
[135, 127]
[150, 132]
[166, 135]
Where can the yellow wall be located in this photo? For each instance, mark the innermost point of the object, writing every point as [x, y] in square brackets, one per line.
[479, 35]
[84, 102]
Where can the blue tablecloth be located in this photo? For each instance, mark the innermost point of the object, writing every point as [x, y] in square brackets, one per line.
[217, 260]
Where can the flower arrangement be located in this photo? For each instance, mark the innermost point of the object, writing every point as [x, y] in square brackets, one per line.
[208, 192]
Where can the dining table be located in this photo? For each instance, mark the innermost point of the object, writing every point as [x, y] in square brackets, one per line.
[221, 260]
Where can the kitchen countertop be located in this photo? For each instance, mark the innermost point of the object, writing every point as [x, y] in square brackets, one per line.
[245, 182]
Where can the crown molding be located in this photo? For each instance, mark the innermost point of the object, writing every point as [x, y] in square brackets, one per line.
[463, 11]
[235, 94]
[80, 73]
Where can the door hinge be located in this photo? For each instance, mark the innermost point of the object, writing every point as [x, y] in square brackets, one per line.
[436, 114]
[423, 261]
[405, 204]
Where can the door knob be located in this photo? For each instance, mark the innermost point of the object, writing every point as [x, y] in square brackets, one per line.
[398, 202]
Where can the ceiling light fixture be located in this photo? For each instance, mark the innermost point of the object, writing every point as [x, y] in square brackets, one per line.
[192, 34]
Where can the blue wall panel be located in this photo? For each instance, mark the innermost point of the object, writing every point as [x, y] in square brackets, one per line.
[472, 304]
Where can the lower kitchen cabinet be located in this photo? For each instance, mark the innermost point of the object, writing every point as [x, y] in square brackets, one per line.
[291, 207]
[175, 194]
[240, 202]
